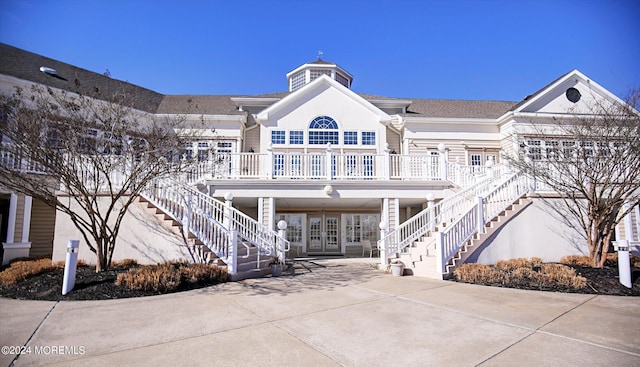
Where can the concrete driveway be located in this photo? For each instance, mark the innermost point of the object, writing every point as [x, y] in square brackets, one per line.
[332, 312]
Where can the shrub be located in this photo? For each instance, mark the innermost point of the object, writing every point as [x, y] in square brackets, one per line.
[24, 268]
[203, 274]
[522, 272]
[168, 277]
[478, 273]
[562, 275]
[124, 263]
[513, 264]
[576, 260]
[157, 278]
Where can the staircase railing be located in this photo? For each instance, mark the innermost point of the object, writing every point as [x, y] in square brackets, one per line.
[428, 219]
[217, 225]
[488, 206]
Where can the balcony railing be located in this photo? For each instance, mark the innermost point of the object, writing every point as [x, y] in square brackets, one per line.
[329, 165]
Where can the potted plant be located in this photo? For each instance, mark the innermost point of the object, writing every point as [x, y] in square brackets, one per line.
[276, 267]
[397, 268]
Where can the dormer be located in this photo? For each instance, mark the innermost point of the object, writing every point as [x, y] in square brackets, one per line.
[310, 71]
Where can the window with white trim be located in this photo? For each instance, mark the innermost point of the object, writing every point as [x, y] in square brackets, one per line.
[350, 138]
[296, 137]
[323, 130]
[368, 138]
[278, 137]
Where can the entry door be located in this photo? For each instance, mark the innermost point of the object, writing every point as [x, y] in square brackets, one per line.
[324, 234]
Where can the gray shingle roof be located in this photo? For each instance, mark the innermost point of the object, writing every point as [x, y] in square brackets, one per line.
[26, 65]
[458, 108]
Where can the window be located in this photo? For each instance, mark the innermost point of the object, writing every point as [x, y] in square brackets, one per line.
[350, 138]
[534, 149]
[278, 137]
[342, 80]
[362, 227]
[296, 137]
[323, 130]
[476, 159]
[368, 138]
[316, 73]
[298, 80]
[294, 226]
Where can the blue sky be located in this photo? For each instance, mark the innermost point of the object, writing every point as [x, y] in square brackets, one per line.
[484, 50]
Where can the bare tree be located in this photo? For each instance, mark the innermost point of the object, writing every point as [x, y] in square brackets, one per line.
[592, 161]
[87, 156]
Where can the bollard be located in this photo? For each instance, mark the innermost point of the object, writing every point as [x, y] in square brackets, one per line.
[624, 264]
[69, 280]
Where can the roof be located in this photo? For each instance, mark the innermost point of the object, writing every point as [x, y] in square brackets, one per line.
[446, 108]
[26, 65]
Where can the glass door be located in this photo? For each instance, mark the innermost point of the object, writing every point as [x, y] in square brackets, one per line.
[324, 234]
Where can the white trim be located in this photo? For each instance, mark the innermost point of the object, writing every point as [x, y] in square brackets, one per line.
[26, 220]
[13, 210]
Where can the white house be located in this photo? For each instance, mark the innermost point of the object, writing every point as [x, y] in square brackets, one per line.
[344, 169]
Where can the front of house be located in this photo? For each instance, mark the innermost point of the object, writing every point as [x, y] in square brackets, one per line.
[340, 168]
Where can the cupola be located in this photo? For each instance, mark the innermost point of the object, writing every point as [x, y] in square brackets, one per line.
[310, 71]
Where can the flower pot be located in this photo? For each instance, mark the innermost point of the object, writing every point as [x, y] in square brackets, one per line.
[397, 269]
[276, 270]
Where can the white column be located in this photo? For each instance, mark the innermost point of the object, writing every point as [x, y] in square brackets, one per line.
[13, 211]
[26, 220]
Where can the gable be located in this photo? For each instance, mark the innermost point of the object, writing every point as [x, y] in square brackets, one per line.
[322, 97]
[573, 93]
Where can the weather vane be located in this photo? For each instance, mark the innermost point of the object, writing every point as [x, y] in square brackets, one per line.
[320, 53]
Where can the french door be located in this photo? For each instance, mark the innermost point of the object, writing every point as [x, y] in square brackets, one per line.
[324, 234]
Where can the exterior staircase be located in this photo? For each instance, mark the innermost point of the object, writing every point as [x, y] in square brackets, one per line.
[420, 257]
[215, 232]
[435, 241]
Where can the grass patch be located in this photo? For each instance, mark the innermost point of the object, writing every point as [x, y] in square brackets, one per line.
[521, 273]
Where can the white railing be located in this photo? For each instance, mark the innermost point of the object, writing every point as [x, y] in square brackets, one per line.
[488, 206]
[428, 219]
[330, 165]
[218, 225]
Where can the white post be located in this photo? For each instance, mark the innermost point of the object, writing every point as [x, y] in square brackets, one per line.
[69, 279]
[26, 219]
[480, 218]
[329, 164]
[282, 234]
[444, 157]
[387, 162]
[490, 167]
[432, 214]
[439, 252]
[232, 266]
[13, 210]
[269, 163]
[624, 263]
[228, 205]
[384, 256]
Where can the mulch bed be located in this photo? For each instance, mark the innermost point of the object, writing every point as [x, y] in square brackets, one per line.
[99, 286]
[602, 281]
[89, 286]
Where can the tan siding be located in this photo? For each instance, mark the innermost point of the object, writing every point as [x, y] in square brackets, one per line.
[456, 149]
[43, 220]
[17, 235]
[252, 140]
[393, 139]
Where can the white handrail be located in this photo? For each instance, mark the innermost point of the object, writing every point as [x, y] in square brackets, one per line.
[425, 221]
[488, 206]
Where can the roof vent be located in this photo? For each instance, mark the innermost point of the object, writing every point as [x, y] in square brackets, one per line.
[51, 71]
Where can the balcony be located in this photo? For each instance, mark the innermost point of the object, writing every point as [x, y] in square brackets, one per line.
[333, 166]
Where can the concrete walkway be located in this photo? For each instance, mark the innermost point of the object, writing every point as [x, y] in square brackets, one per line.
[331, 313]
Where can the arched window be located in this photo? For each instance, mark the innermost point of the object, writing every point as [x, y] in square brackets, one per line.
[323, 130]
